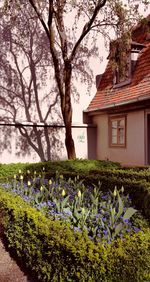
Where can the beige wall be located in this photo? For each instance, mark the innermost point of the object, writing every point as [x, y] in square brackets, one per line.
[15, 148]
[134, 153]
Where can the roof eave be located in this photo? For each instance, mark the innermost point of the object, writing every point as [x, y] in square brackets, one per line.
[114, 105]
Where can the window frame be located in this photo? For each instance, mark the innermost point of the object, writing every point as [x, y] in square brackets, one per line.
[117, 118]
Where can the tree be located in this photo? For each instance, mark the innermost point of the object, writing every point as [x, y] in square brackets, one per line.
[68, 42]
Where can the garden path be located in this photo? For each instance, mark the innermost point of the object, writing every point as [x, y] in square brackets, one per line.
[10, 271]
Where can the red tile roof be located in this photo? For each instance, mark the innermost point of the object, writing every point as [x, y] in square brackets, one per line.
[139, 87]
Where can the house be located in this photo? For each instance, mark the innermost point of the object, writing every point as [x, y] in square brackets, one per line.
[121, 107]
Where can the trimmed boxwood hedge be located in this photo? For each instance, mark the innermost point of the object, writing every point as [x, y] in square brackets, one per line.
[77, 166]
[55, 253]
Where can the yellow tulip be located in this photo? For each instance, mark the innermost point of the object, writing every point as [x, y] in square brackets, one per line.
[115, 192]
[63, 193]
[122, 189]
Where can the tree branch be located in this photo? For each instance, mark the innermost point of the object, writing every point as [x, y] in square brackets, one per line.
[87, 27]
[39, 16]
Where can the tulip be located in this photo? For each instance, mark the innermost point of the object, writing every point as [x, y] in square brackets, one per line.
[63, 193]
[122, 189]
[115, 192]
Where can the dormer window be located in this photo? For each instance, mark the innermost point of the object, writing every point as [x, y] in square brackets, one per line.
[123, 59]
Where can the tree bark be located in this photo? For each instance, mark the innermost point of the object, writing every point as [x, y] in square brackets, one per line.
[66, 107]
[70, 147]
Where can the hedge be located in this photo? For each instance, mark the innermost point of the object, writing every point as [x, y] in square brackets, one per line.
[55, 253]
[77, 166]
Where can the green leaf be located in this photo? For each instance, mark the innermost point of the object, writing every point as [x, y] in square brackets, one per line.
[129, 212]
[64, 202]
[118, 228]
[121, 206]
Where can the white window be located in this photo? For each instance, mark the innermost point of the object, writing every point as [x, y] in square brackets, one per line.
[117, 131]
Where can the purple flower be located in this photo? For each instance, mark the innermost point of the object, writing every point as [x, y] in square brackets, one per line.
[126, 220]
[136, 229]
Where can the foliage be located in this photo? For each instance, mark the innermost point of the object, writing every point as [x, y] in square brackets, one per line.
[55, 253]
[75, 166]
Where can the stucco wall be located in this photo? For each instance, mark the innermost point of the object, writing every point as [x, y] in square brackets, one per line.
[134, 153]
[31, 147]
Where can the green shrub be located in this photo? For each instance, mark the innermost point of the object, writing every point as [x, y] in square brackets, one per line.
[55, 253]
[76, 166]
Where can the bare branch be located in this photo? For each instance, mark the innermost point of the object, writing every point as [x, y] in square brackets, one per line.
[39, 17]
[87, 27]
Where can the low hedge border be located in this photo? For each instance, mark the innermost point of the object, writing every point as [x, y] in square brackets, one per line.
[55, 253]
[77, 166]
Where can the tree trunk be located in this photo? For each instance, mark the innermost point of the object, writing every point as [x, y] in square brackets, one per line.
[66, 108]
[70, 147]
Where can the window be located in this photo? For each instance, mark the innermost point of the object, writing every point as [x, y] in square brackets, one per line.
[117, 131]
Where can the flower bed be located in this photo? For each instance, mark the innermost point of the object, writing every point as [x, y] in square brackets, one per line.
[103, 216]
